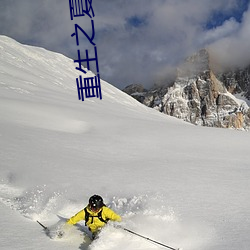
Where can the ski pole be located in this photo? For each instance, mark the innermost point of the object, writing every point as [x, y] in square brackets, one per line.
[146, 238]
[45, 228]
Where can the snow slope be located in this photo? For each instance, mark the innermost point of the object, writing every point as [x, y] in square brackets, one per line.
[176, 183]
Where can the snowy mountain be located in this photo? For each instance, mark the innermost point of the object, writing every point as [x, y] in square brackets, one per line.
[182, 185]
[201, 96]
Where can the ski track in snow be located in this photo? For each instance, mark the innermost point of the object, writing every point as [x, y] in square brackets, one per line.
[145, 214]
[43, 117]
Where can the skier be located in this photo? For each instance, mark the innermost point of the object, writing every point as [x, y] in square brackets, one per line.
[95, 214]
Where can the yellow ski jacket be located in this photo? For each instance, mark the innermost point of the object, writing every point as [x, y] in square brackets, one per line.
[94, 223]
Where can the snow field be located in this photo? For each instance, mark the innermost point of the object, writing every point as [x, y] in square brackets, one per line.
[181, 185]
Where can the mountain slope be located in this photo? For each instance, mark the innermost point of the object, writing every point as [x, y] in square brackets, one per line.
[183, 185]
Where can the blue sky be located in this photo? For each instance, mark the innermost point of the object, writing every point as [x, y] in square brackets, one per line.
[138, 41]
[218, 17]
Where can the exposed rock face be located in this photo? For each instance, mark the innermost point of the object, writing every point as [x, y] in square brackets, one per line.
[237, 81]
[137, 91]
[199, 97]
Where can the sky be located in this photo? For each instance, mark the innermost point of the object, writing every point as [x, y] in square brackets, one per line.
[137, 41]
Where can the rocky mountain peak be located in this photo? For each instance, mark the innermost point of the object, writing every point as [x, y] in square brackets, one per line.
[202, 97]
[196, 64]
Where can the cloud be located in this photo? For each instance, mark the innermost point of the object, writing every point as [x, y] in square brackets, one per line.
[233, 49]
[138, 41]
[228, 28]
[35, 22]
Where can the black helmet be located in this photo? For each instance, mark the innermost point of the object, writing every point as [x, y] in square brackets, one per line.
[96, 202]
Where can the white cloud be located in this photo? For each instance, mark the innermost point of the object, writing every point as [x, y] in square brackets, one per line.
[233, 50]
[228, 28]
[170, 31]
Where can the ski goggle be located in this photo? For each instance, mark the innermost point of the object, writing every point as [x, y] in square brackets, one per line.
[94, 208]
